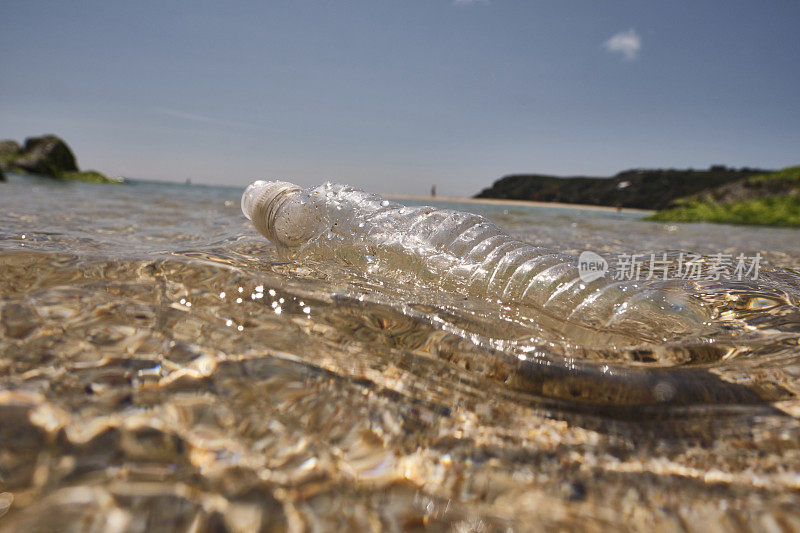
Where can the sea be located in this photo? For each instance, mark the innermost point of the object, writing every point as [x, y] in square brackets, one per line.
[162, 368]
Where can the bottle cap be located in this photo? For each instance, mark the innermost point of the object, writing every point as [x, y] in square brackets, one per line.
[259, 202]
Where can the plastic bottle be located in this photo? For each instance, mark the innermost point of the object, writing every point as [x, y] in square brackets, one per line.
[467, 254]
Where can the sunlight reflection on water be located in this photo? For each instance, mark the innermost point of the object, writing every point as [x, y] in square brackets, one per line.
[160, 365]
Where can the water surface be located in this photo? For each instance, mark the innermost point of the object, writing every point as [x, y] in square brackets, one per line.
[160, 367]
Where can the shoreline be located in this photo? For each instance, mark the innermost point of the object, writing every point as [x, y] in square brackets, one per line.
[503, 201]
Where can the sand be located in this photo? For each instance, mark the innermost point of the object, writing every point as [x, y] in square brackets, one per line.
[499, 201]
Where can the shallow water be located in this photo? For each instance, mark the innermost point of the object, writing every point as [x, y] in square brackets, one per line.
[160, 367]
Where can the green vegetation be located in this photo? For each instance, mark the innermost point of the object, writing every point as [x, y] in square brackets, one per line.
[789, 174]
[771, 199]
[718, 194]
[9, 151]
[90, 176]
[641, 188]
[774, 211]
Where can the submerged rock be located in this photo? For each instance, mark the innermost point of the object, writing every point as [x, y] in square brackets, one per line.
[18, 321]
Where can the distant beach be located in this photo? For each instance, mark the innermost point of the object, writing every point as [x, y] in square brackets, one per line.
[497, 201]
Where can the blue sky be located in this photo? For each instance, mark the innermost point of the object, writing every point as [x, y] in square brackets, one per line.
[394, 96]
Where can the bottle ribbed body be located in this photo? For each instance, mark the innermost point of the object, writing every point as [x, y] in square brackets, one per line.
[467, 254]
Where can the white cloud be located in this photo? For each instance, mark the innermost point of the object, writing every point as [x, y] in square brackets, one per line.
[628, 43]
[469, 2]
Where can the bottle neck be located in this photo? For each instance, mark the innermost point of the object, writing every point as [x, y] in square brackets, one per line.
[267, 203]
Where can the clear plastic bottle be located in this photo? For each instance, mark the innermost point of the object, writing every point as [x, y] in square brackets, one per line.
[466, 254]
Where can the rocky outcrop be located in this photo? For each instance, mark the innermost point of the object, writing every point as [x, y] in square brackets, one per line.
[47, 155]
[640, 188]
[9, 150]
